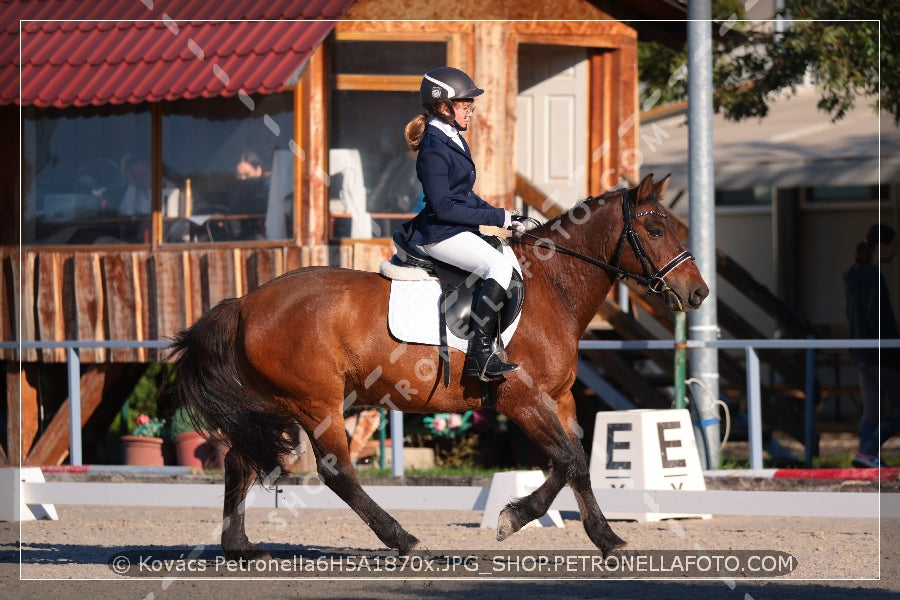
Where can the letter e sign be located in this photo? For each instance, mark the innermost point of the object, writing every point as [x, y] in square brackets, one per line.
[664, 444]
[611, 444]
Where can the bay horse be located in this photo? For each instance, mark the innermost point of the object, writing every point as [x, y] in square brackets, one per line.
[309, 345]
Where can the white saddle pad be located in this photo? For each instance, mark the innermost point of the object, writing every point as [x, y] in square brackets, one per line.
[413, 312]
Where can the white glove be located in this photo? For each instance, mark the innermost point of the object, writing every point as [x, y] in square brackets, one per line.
[511, 224]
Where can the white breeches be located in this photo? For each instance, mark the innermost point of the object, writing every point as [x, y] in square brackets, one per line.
[469, 252]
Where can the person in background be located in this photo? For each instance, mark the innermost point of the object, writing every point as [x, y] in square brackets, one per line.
[249, 166]
[136, 200]
[252, 194]
[870, 316]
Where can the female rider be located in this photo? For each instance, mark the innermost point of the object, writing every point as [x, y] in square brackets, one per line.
[447, 228]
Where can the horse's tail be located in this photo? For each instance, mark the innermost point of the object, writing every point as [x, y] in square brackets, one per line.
[206, 381]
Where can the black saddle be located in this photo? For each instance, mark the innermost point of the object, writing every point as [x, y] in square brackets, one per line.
[459, 289]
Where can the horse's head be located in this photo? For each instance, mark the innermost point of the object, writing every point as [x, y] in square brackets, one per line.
[650, 248]
[629, 234]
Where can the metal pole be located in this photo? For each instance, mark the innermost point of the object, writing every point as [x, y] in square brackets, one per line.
[74, 372]
[382, 425]
[754, 409]
[809, 412]
[680, 357]
[701, 191]
[396, 443]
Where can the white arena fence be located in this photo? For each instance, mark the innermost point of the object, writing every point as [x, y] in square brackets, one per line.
[398, 497]
[750, 347]
[715, 502]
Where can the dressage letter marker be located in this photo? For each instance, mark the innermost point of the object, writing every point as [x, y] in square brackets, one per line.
[14, 507]
[646, 450]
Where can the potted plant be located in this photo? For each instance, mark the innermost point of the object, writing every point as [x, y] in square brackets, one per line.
[448, 432]
[145, 444]
[190, 445]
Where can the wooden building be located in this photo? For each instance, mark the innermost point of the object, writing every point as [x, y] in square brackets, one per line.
[320, 93]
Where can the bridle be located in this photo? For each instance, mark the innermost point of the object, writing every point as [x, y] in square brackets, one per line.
[652, 277]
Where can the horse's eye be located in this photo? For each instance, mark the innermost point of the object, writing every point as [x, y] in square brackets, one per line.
[655, 232]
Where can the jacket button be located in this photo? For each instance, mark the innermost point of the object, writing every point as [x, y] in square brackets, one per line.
[470, 194]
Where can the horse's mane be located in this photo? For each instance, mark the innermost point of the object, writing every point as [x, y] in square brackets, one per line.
[542, 230]
[551, 225]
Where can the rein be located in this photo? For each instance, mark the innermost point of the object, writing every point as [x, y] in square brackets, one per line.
[652, 278]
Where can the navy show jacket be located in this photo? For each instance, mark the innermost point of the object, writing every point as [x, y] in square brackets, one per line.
[447, 174]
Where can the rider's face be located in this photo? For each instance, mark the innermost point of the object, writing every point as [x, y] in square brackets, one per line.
[463, 110]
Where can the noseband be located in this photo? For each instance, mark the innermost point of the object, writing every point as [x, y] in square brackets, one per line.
[652, 278]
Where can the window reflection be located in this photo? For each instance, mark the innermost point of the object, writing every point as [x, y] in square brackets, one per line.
[387, 166]
[74, 179]
[235, 169]
[374, 188]
[88, 175]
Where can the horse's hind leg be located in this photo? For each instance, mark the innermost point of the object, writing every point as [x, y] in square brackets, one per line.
[238, 478]
[337, 472]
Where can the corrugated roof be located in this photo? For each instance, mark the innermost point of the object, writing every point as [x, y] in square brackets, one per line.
[795, 145]
[77, 53]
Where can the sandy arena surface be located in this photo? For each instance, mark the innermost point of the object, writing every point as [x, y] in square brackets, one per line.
[72, 557]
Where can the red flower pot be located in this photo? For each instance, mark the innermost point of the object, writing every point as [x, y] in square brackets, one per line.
[142, 450]
[192, 449]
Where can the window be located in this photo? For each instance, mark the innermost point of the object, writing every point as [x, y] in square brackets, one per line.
[74, 179]
[846, 193]
[373, 57]
[374, 188]
[204, 143]
[88, 172]
[757, 196]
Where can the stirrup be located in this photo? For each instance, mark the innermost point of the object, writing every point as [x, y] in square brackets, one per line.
[480, 369]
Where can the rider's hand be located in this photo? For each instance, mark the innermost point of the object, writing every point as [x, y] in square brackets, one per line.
[514, 222]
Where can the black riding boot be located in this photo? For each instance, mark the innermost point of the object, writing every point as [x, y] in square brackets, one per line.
[481, 361]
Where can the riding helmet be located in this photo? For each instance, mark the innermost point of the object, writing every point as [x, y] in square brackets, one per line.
[447, 83]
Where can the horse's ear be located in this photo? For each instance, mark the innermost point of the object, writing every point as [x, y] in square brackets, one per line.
[660, 187]
[644, 188]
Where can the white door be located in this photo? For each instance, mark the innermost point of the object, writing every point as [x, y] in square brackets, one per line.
[552, 127]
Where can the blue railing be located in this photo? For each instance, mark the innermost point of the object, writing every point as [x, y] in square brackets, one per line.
[750, 347]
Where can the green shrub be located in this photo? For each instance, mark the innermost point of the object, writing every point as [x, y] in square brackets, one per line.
[181, 421]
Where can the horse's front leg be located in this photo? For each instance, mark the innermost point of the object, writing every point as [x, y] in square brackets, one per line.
[238, 478]
[541, 424]
[550, 425]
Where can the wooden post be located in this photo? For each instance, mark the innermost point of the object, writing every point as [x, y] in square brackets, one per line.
[492, 137]
[99, 381]
[614, 149]
[315, 88]
[21, 411]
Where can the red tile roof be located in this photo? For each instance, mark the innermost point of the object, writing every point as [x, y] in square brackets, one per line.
[76, 53]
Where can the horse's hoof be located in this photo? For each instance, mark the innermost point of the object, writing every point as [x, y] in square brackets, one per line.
[616, 543]
[247, 553]
[408, 546]
[505, 525]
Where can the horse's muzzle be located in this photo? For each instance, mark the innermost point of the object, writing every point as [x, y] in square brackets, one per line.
[697, 296]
